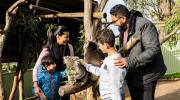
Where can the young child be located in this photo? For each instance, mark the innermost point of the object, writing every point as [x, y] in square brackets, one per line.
[111, 82]
[49, 79]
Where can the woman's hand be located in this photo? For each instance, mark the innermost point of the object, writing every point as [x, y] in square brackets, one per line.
[36, 89]
[121, 63]
[39, 92]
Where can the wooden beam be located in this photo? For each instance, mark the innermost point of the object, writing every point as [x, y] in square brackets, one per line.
[76, 14]
[34, 7]
[48, 10]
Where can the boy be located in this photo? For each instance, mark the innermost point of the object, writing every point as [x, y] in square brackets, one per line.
[49, 79]
[111, 84]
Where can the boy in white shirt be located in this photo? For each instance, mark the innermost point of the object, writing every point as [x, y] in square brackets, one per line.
[111, 80]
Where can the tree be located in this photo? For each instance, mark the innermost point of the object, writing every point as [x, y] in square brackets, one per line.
[160, 10]
[9, 16]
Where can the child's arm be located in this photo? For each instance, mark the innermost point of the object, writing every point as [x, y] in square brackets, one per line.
[93, 69]
[117, 76]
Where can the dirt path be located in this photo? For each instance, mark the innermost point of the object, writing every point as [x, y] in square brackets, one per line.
[166, 90]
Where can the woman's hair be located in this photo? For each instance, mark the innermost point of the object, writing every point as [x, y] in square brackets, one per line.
[119, 10]
[51, 35]
[106, 36]
[47, 60]
[60, 31]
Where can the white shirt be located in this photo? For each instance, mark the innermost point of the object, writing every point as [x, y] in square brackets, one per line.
[111, 84]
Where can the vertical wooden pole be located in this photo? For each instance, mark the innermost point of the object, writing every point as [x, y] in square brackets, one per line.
[88, 27]
[97, 26]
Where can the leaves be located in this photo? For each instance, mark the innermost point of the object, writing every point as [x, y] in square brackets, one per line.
[170, 24]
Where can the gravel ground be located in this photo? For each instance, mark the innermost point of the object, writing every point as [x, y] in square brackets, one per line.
[166, 90]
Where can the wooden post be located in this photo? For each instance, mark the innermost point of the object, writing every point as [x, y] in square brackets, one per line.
[88, 27]
[97, 26]
[9, 15]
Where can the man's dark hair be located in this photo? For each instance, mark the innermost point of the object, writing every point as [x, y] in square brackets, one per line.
[47, 60]
[119, 10]
[106, 36]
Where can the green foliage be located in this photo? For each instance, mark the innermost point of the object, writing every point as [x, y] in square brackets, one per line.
[28, 34]
[80, 44]
[171, 23]
[149, 8]
[171, 76]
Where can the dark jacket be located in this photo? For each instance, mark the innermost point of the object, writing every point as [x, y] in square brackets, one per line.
[145, 61]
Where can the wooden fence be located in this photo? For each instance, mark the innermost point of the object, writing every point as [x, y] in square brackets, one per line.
[8, 81]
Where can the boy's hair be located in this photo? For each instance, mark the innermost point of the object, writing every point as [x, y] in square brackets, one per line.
[106, 36]
[47, 60]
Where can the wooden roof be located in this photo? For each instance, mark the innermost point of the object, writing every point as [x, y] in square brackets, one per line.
[62, 5]
[58, 5]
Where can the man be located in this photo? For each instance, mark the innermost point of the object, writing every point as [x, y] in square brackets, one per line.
[144, 60]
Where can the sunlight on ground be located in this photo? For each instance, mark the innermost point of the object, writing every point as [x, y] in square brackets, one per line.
[166, 90]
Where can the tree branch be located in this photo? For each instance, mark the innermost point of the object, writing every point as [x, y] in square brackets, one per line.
[10, 12]
[165, 38]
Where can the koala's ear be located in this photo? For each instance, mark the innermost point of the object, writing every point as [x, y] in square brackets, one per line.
[77, 63]
[75, 58]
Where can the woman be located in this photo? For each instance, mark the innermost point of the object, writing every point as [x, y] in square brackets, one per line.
[58, 47]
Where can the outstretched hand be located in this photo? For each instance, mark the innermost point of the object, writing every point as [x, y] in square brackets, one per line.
[121, 63]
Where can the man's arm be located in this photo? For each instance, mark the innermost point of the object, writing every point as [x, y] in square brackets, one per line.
[151, 45]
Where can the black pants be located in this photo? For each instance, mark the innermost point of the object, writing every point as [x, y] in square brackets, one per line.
[143, 92]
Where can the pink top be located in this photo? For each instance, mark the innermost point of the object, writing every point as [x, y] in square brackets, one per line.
[43, 53]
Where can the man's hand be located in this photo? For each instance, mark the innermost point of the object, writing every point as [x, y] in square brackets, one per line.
[121, 63]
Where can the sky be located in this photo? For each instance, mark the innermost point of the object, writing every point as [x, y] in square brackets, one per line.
[107, 8]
